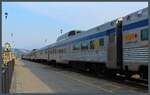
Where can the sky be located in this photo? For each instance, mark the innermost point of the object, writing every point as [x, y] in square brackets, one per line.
[32, 25]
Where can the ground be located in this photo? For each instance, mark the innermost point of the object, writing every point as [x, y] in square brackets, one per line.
[31, 77]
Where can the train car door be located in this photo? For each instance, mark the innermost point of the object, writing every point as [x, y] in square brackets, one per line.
[115, 47]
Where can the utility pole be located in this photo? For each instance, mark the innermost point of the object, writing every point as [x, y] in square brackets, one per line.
[61, 31]
[45, 41]
[3, 84]
[12, 42]
[1, 62]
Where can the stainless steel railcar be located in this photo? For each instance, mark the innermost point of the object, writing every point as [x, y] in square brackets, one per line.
[120, 45]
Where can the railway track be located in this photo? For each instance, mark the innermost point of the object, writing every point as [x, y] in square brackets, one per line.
[139, 84]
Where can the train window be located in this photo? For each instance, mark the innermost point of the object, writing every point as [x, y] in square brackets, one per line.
[84, 45]
[78, 32]
[144, 34]
[61, 50]
[76, 46]
[57, 51]
[64, 50]
[96, 44]
[101, 42]
[46, 51]
[92, 44]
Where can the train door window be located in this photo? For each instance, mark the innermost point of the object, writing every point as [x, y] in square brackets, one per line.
[84, 45]
[101, 42]
[61, 50]
[64, 50]
[46, 52]
[54, 51]
[92, 44]
[144, 34]
[58, 50]
[112, 38]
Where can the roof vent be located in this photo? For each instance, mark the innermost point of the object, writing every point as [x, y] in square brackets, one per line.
[98, 28]
[128, 17]
[139, 13]
[112, 23]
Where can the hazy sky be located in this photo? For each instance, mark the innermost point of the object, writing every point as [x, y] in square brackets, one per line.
[32, 23]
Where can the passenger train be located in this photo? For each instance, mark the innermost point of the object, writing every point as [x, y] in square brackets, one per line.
[119, 46]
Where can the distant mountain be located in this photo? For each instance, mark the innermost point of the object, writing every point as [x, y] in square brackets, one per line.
[19, 52]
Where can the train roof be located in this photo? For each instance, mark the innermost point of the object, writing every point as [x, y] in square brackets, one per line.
[111, 23]
[46, 47]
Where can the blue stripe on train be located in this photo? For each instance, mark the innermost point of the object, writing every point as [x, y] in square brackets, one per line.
[135, 25]
[110, 31]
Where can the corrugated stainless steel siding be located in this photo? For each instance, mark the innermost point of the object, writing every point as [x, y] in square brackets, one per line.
[139, 54]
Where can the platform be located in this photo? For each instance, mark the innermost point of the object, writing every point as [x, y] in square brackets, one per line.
[24, 81]
[31, 77]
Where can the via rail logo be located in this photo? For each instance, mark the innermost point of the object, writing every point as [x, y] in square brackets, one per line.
[131, 38]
